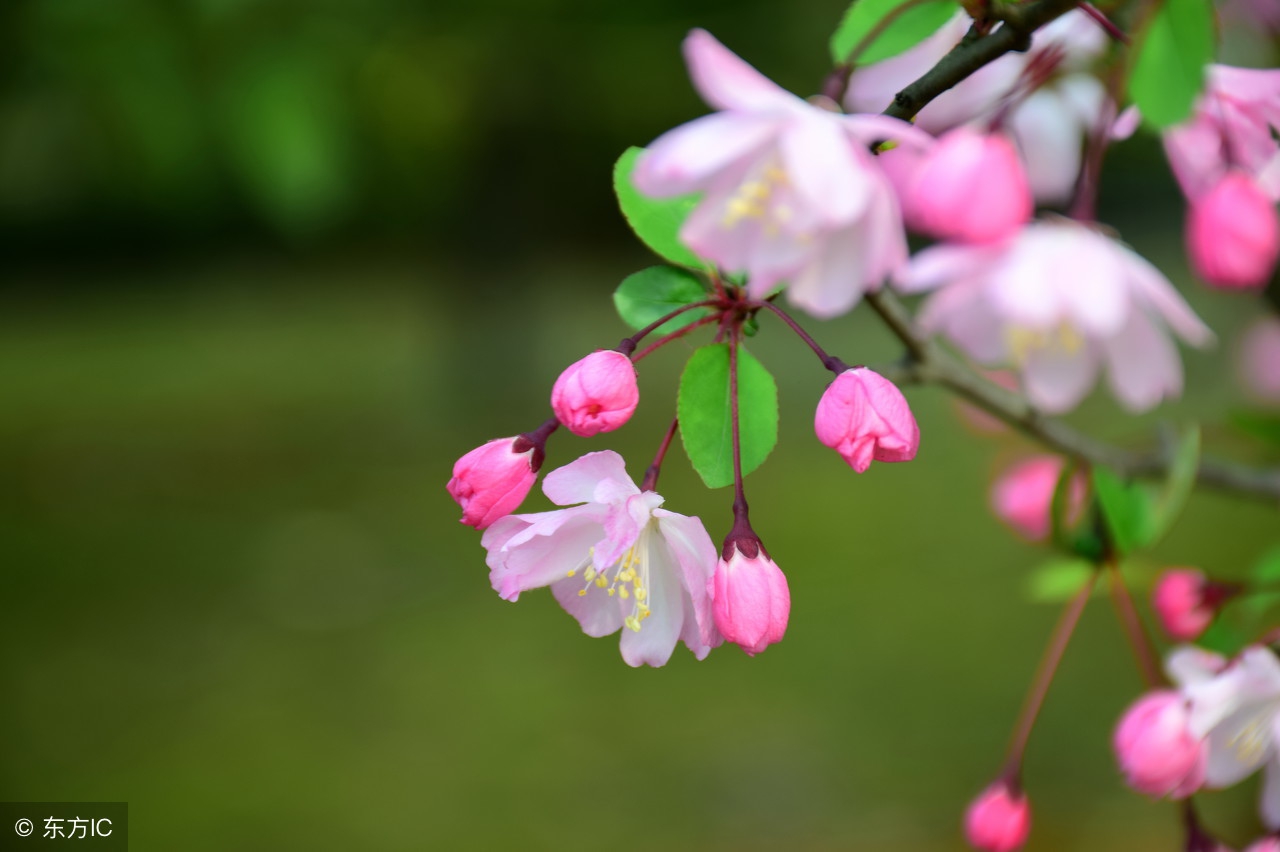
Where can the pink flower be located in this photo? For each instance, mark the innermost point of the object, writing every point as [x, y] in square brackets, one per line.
[971, 187]
[790, 192]
[1023, 496]
[1182, 601]
[1264, 844]
[1157, 753]
[1260, 360]
[617, 560]
[1049, 125]
[1231, 128]
[749, 597]
[1235, 707]
[1057, 302]
[1233, 233]
[863, 416]
[999, 820]
[596, 394]
[492, 480]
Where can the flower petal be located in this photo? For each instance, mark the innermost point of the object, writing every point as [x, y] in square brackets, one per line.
[725, 81]
[1056, 376]
[579, 480]
[598, 613]
[823, 164]
[653, 643]
[695, 557]
[692, 155]
[1143, 366]
[528, 554]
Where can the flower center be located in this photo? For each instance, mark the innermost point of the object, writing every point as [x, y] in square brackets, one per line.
[628, 579]
[1023, 341]
[1252, 740]
[756, 199]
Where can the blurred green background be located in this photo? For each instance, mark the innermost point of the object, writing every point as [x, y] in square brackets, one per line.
[270, 266]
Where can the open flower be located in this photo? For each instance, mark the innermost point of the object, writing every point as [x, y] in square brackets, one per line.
[1235, 707]
[1058, 302]
[615, 561]
[790, 191]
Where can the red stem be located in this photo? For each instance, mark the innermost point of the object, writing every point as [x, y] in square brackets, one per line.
[628, 344]
[1106, 23]
[1139, 640]
[831, 362]
[650, 482]
[675, 335]
[1058, 642]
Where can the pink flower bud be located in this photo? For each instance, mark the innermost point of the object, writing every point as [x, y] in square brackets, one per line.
[1157, 753]
[596, 394]
[1233, 233]
[1260, 360]
[970, 187]
[1023, 496]
[999, 820]
[863, 416]
[1182, 602]
[492, 480]
[750, 598]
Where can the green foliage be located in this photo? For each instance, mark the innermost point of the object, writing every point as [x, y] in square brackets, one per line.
[1260, 425]
[650, 294]
[906, 29]
[656, 221]
[705, 414]
[1168, 71]
[1058, 579]
[1177, 488]
[1126, 510]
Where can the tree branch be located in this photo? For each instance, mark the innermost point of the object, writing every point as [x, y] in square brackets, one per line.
[929, 363]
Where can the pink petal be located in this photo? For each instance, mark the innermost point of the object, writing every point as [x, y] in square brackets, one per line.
[598, 613]
[578, 481]
[825, 168]
[1154, 290]
[688, 158]
[727, 82]
[1056, 379]
[528, 554]
[695, 557]
[1143, 365]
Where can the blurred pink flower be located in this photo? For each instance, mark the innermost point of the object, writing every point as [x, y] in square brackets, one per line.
[1023, 496]
[615, 560]
[1057, 302]
[750, 598]
[1260, 360]
[863, 416]
[596, 394]
[1049, 125]
[1157, 753]
[998, 820]
[971, 187]
[1232, 127]
[1264, 844]
[1180, 602]
[790, 192]
[1233, 233]
[492, 480]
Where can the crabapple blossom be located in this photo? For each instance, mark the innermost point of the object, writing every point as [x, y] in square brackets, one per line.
[863, 416]
[971, 187]
[1157, 753]
[492, 480]
[1260, 360]
[1058, 302]
[1232, 127]
[1023, 496]
[790, 191]
[1184, 604]
[749, 597]
[1235, 707]
[1048, 124]
[999, 819]
[617, 560]
[596, 394]
[1233, 233]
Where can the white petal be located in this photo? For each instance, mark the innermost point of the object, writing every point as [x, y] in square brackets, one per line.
[578, 481]
[1269, 803]
[653, 643]
[825, 168]
[1056, 377]
[1143, 364]
[598, 613]
[688, 158]
[725, 81]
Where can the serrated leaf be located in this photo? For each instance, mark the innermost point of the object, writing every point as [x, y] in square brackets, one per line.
[1126, 510]
[1179, 485]
[704, 412]
[647, 296]
[1168, 70]
[909, 25]
[1058, 580]
[656, 221]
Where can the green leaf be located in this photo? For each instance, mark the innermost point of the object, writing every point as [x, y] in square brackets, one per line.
[1261, 425]
[1058, 580]
[704, 412]
[1178, 487]
[1267, 570]
[1168, 71]
[889, 35]
[656, 221]
[650, 294]
[1126, 509]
